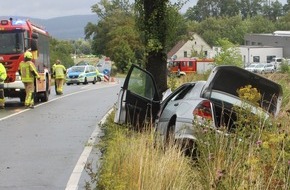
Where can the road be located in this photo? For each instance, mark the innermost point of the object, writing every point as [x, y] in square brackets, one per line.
[45, 148]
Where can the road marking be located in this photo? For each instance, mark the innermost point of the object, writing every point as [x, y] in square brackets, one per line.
[44, 103]
[74, 179]
[72, 184]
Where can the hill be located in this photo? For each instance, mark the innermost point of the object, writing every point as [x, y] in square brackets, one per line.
[64, 28]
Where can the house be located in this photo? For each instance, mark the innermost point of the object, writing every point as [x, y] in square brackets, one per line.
[189, 48]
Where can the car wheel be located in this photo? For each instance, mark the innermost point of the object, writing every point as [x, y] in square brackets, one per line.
[85, 81]
[170, 137]
[99, 79]
[68, 84]
[95, 80]
[78, 83]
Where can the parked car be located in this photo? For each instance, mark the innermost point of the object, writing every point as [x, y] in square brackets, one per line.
[81, 74]
[207, 102]
[251, 67]
[263, 68]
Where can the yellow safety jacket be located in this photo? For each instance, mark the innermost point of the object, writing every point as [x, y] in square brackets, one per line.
[59, 71]
[28, 71]
[3, 74]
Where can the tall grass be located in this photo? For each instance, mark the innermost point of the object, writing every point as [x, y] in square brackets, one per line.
[135, 160]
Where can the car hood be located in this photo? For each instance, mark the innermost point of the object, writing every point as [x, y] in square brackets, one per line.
[228, 79]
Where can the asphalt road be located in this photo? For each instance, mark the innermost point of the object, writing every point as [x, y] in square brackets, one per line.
[46, 148]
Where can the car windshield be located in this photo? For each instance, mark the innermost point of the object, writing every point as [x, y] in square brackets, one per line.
[252, 65]
[11, 42]
[260, 66]
[77, 69]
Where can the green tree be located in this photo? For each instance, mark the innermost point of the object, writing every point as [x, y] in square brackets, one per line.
[153, 23]
[229, 55]
[115, 29]
[61, 50]
[250, 8]
[273, 11]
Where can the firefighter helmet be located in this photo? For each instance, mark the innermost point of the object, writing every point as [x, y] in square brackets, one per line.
[28, 55]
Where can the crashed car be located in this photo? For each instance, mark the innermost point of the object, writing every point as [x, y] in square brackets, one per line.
[209, 101]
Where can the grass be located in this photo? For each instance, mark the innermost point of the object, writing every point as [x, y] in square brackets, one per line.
[257, 156]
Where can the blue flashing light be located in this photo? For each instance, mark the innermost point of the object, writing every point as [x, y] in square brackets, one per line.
[18, 22]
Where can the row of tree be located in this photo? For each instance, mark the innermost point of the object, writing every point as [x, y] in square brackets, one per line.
[204, 9]
[144, 31]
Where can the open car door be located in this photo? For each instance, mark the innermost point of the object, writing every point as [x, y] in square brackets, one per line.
[138, 102]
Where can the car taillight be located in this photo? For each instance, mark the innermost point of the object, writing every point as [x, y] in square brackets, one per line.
[203, 110]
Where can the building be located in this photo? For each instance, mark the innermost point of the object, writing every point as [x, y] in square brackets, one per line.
[185, 48]
[276, 39]
[259, 54]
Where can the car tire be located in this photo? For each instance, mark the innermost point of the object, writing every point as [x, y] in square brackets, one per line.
[95, 80]
[68, 84]
[170, 138]
[99, 79]
[85, 81]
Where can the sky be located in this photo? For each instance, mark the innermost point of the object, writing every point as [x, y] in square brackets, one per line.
[46, 9]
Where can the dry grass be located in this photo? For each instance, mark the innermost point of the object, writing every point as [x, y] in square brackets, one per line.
[135, 161]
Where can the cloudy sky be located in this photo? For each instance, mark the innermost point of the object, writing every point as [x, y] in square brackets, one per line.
[54, 8]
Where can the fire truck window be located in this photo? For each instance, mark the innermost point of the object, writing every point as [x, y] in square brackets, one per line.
[10, 42]
[190, 64]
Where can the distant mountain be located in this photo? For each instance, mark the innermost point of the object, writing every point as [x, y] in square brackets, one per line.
[64, 28]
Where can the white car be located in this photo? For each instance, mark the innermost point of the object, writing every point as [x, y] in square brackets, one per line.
[263, 68]
[203, 102]
[251, 67]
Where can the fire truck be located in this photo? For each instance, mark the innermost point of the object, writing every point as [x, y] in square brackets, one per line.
[16, 37]
[183, 66]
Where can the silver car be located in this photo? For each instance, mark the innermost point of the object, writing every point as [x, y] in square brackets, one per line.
[263, 68]
[207, 102]
[251, 67]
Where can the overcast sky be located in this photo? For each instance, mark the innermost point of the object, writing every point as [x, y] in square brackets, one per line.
[55, 8]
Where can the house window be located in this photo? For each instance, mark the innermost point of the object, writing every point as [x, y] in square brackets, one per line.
[256, 59]
[205, 53]
[185, 54]
[253, 43]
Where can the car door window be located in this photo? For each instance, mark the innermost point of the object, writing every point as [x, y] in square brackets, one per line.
[141, 84]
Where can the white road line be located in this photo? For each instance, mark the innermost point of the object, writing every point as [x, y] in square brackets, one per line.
[73, 182]
[44, 103]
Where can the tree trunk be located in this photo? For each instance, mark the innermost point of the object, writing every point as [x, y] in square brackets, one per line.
[155, 25]
[157, 66]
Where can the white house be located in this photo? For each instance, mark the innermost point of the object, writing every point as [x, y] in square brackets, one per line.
[184, 48]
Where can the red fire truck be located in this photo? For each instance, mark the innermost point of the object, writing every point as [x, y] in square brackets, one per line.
[185, 65]
[16, 37]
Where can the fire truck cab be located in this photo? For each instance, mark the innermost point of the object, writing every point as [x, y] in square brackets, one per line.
[16, 37]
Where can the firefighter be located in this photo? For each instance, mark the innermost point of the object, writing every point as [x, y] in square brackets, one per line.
[59, 74]
[52, 74]
[3, 76]
[28, 73]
